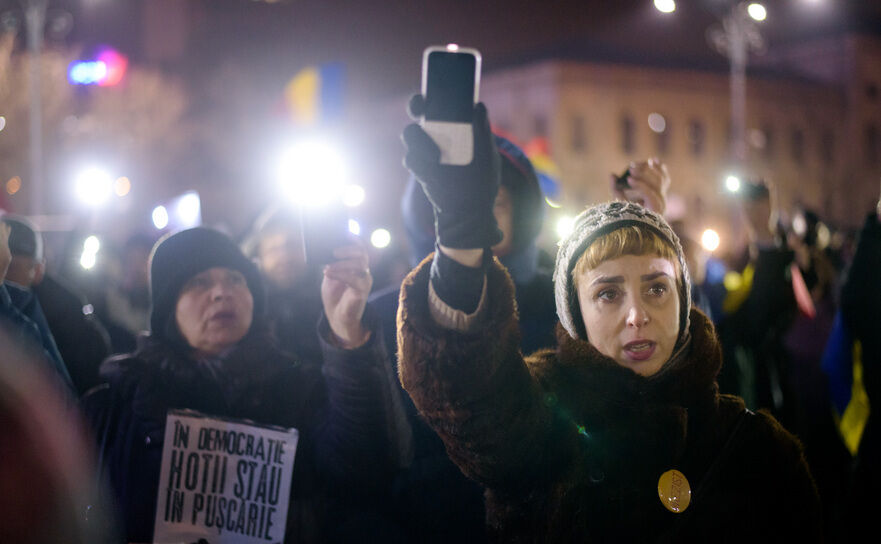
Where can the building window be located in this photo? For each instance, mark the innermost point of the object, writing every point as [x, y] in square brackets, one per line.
[797, 144]
[540, 126]
[872, 145]
[697, 136]
[578, 134]
[628, 134]
[661, 127]
[827, 146]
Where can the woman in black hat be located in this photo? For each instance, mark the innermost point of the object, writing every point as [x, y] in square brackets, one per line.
[209, 351]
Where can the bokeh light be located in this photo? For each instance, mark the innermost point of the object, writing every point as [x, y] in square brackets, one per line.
[92, 244]
[380, 238]
[160, 217]
[657, 122]
[565, 225]
[665, 6]
[94, 186]
[89, 257]
[13, 185]
[122, 186]
[354, 227]
[312, 173]
[710, 240]
[2, 123]
[732, 183]
[757, 11]
[188, 210]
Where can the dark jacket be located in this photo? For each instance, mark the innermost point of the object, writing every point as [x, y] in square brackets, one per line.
[570, 445]
[81, 338]
[339, 408]
[861, 311]
[21, 313]
[756, 364]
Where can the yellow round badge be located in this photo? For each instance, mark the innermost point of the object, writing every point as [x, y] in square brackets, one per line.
[674, 491]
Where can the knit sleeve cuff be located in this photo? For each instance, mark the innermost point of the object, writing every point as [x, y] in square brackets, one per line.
[450, 318]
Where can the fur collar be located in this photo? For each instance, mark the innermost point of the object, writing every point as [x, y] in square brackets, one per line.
[629, 416]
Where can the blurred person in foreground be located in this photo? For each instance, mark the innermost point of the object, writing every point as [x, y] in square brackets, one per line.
[209, 351]
[81, 340]
[20, 311]
[45, 471]
[580, 442]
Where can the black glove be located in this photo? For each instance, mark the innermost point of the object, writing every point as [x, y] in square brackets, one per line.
[462, 196]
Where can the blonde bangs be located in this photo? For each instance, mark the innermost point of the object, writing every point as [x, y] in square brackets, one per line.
[629, 240]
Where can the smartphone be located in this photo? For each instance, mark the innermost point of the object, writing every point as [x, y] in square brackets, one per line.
[324, 230]
[450, 85]
[621, 182]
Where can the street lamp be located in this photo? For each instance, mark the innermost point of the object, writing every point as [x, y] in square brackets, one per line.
[735, 37]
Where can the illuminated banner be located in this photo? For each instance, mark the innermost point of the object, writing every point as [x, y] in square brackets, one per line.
[226, 481]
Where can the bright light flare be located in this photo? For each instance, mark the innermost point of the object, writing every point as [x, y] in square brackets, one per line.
[160, 217]
[353, 195]
[565, 225]
[89, 257]
[312, 173]
[94, 186]
[92, 244]
[710, 240]
[665, 6]
[452, 47]
[354, 227]
[732, 183]
[88, 260]
[188, 210]
[380, 238]
[757, 11]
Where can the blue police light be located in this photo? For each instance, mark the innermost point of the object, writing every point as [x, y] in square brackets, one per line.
[87, 72]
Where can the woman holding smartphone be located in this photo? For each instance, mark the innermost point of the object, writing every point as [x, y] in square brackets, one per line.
[619, 433]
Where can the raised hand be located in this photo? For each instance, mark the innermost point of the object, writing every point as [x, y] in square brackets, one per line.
[648, 183]
[344, 290]
[462, 196]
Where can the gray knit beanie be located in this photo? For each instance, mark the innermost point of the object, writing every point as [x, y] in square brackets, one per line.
[593, 223]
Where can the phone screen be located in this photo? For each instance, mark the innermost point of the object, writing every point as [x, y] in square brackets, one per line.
[449, 91]
[323, 231]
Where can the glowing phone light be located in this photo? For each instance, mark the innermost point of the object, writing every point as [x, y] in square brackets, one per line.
[452, 47]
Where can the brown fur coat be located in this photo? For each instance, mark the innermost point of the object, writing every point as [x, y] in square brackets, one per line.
[570, 445]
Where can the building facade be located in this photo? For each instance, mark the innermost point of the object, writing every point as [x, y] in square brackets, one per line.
[812, 133]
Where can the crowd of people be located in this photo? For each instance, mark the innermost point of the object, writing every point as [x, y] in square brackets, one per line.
[627, 388]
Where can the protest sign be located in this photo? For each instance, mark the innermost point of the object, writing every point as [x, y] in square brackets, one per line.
[223, 480]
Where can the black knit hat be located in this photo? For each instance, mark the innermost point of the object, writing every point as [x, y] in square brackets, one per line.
[178, 257]
[24, 240]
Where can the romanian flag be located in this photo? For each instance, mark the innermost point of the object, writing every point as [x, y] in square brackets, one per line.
[315, 94]
[539, 153]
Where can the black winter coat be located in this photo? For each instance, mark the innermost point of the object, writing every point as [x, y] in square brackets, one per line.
[341, 410]
[570, 445]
